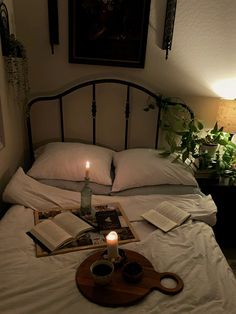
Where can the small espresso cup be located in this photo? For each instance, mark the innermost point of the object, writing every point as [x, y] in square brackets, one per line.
[101, 271]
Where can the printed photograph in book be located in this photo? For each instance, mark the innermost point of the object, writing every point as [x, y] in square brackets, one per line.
[108, 220]
[80, 238]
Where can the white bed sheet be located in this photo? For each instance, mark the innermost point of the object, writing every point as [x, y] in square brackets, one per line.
[47, 284]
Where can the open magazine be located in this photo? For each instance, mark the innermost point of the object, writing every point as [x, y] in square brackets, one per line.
[60, 230]
[166, 216]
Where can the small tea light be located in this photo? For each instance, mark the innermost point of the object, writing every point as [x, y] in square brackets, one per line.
[87, 166]
[112, 245]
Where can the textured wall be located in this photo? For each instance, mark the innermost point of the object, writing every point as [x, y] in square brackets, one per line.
[202, 51]
[13, 153]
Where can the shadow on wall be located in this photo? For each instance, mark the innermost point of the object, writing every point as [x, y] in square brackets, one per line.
[4, 179]
[2, 138]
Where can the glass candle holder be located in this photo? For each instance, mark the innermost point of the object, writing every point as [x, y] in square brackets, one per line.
[86, 198]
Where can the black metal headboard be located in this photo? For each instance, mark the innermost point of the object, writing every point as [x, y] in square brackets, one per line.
[94, 83]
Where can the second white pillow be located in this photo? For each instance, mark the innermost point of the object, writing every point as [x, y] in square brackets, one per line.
[145, 167]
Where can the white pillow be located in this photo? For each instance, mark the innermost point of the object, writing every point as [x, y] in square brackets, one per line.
[145, 167]
[67, 161]
[26, 191]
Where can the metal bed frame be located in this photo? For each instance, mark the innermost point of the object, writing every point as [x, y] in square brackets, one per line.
[93, 83]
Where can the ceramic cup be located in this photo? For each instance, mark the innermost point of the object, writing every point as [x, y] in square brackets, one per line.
[132, 272]
[101, 271]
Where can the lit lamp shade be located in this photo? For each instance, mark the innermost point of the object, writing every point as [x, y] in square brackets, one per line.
[226, 116]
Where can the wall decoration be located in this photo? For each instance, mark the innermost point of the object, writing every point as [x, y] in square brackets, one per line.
[16, 65]
[108, 32]
[4, 28]
[169, 25]
[53, 23]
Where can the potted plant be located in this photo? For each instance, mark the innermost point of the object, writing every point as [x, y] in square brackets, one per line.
[225, 163]
[210, 151]
[213, 138]
[179, 127]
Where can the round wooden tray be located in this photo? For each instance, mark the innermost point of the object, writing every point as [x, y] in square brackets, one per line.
[120, 292]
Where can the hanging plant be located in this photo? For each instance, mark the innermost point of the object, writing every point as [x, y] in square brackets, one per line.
[15, 59]
[17, 70]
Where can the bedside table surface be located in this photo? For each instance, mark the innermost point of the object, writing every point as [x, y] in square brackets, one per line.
[224, 197]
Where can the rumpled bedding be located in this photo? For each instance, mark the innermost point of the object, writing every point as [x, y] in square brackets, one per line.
[47, 285]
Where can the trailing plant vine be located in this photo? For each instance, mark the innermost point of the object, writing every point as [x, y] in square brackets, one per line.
[17, 70]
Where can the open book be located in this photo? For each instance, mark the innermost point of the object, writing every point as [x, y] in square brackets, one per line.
[60, 230]
[166, 216]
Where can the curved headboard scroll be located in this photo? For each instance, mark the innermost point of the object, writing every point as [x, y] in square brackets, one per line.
[93, 84]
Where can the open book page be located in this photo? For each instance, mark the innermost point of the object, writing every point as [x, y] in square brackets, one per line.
[72, 224]
[51, 235]
[159, 220]
[166, 216]
[172, 212]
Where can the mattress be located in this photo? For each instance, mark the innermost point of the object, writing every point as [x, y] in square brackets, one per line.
[47, 284]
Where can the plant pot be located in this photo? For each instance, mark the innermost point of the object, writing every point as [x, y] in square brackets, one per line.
[224, 180]
[210, 149]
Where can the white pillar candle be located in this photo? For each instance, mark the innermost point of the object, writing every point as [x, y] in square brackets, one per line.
[112, 245]
[87, 166]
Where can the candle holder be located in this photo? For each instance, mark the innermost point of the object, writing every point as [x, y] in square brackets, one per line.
[119, 261]
[86, 198]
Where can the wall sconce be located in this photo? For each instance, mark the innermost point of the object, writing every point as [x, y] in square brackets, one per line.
[169, 25]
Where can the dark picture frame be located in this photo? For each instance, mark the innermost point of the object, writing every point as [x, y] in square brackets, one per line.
[108, 32]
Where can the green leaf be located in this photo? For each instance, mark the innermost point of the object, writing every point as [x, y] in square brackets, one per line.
[200, 125]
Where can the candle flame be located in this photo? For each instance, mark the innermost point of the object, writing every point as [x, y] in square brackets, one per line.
[87, 165]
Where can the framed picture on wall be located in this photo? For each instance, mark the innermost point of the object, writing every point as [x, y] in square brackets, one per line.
[108, 32]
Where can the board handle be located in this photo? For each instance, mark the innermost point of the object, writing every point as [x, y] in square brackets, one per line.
[170, 291]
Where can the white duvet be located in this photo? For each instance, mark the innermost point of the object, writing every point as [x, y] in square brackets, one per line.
[47, 285]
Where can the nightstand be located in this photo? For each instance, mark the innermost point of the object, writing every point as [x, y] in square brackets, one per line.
[225, 198]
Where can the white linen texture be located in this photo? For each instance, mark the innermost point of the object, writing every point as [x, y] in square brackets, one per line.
[67, 161]
[145, 167]
[47, 285]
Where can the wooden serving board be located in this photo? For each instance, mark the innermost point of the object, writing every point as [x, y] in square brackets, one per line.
[120, 292]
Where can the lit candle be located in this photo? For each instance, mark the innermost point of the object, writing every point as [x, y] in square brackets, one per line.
[87, 169]
[112, 245]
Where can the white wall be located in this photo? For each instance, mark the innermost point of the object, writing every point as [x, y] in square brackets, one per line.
[203, 50]
[13, 154]
[178, 76]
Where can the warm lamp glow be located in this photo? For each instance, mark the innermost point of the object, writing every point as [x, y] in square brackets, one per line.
[226, 88]
[226, 116]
